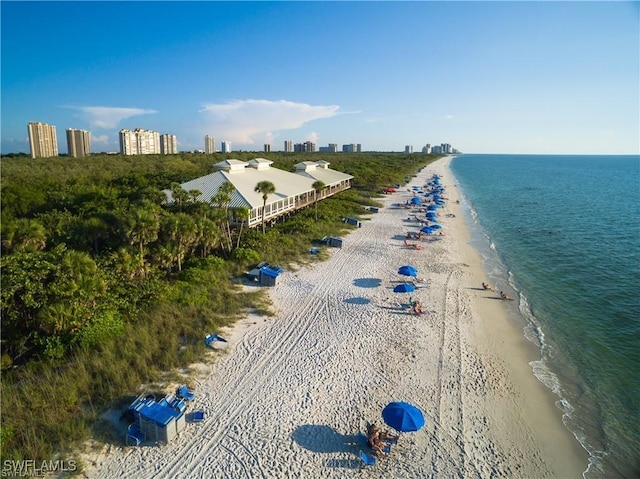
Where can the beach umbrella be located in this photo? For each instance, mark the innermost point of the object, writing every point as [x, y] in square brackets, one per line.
[408, 270]
[402, 416]
[415, 200]
[404, 288]
[435, 226]
[427, 229]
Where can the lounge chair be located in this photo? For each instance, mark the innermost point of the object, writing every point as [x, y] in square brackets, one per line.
[367, 459]
[198, 416]
[134, 435]
[183, 393]
[209, 339]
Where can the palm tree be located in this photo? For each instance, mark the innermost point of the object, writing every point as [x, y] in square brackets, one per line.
[222, 200]
[266, 188]
[318, 186]
[24, 235]
[242, 213]
[142, 227]
[182, 234]
[179, 195]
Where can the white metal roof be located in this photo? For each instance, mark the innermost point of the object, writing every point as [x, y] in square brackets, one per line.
[245, 178]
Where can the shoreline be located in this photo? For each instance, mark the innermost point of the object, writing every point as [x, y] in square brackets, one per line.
[292, 392]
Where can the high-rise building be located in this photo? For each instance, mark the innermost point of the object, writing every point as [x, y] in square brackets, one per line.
[226, 147]
[78, 144]
[168, 144]
[330, 148]
[288, 146]
[306, 147]
[408, 149]
[267, 147]
[209, 144]
[43, 141]
[139, 142]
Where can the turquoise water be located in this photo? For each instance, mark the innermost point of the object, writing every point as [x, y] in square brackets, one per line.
[562, 233]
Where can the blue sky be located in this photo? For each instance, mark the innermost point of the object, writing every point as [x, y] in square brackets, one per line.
[486, 77]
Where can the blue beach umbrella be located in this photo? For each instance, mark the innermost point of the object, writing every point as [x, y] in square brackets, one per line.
[404, 288]
[408, 270]
[403, 417]
[427, 229]
[435, 226]
[415, 200]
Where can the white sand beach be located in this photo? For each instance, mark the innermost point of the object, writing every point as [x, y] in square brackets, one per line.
[291, 392]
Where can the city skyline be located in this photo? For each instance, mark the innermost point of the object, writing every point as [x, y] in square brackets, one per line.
[488, 77]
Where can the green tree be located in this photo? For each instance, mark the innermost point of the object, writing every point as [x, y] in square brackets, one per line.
[266, 188]
[222, 200]
[241, 213]
[142, 227]
[318, 186]
[24, 235]
[208, 235]
[180, 196]
[181, 233]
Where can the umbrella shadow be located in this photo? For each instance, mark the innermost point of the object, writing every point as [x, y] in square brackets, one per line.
[367, 282]
[358, 300]
[324, 439]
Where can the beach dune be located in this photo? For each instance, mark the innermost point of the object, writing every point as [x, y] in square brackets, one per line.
[292, 392]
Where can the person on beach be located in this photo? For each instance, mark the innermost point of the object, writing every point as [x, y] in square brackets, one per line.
[379, 440]
[486, 287]
[504, 296]
[417, 307]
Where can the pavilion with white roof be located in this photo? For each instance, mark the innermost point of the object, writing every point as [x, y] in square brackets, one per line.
[293, 190]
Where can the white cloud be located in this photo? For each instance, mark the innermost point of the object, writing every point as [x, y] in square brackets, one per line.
[106, 117]
[448, 117]
[99, 139]
[241, 121]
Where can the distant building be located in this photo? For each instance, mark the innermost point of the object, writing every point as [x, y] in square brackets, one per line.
[168, 144]
[426, 149]
[306, 147]
[78, 144]
[288, 146]
[209, 144]
[267, 148]
[408, 149]
[351, 148]
[226, 147]
[139, 142]
[331, 148]
[43, 141]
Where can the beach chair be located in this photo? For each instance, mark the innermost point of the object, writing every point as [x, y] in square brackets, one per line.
[198, 416]
[134, 435]
[367, 459]
[183, 393]
[209, 339]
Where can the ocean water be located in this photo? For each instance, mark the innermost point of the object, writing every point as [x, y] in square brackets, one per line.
[562, 234]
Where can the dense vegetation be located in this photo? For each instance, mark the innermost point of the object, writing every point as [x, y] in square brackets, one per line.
[104, 286]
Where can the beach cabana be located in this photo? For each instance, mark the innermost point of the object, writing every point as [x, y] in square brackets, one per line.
[269, 275]
[158, 421]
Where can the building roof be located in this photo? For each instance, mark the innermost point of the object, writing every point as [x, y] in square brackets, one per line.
[245, 176]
